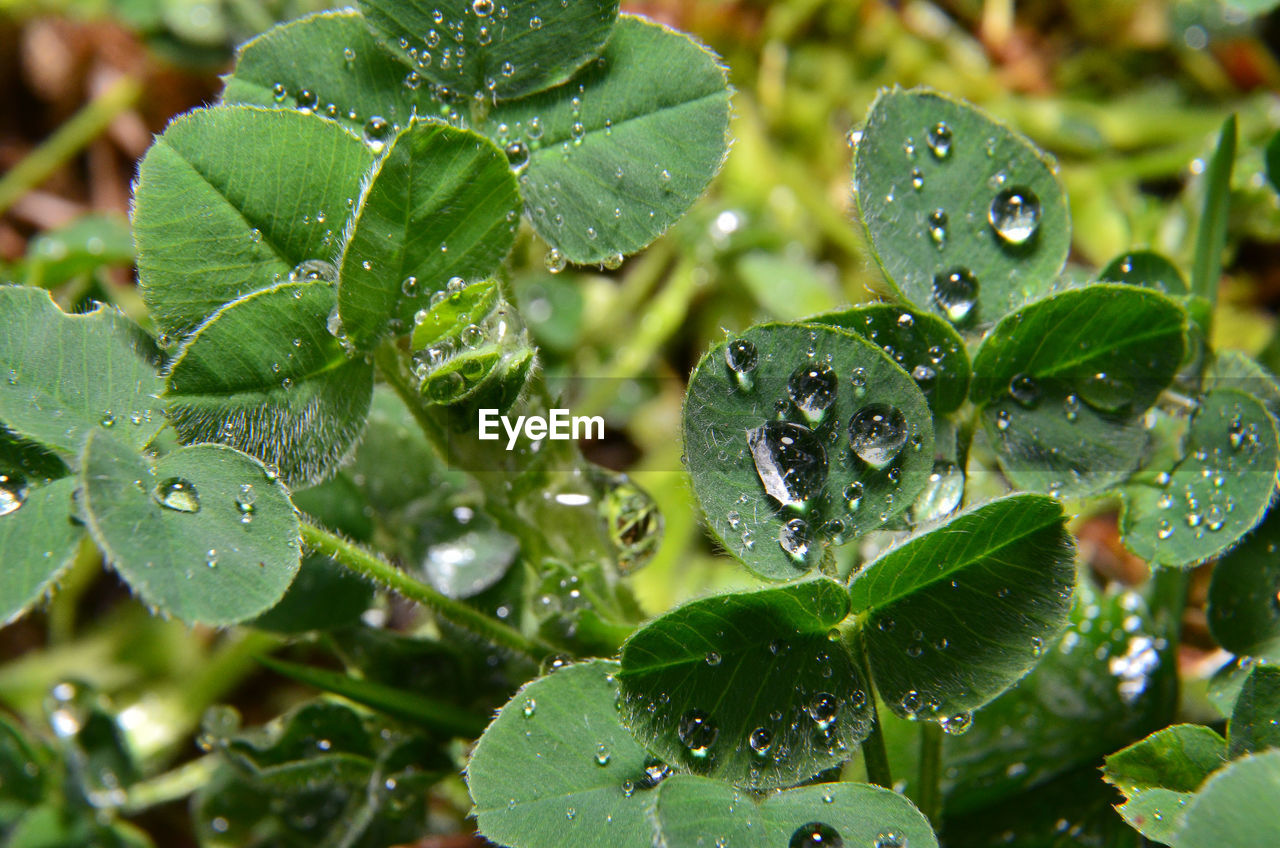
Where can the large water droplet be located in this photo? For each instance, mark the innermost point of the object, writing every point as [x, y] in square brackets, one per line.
[310, 270]
[956, 293]
[816, 835]
[1015, 215]
[376, 132]
[697, 732]
[13, 493]
[793, 538]
[812, 388]
[941, 495]
[958, 724]
[877, 432]
[741, 356]
[939, 138]
[1025, 390]
[790, 461]
[761, 740]
[178, 495]
[555, 261]
[517, 155]
[823, 709]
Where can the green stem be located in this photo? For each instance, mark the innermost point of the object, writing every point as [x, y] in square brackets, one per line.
[85, 568]
[874, 754]
[171, 786]
[384, 574]
[67, 141]
[929, 794]
[1211, 238]
[1169, 602]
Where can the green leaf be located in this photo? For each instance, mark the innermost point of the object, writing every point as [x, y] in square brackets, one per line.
[557, 768]
[1009, 562]
[408, 706]
[1232, 369]
[324, 596]
[1106, 682]
[973, 171]
[38, 538]
[440, 203]
[749, 687]
[263, 375]
[1244, 594]
[186, 534]
[831, 490]
[81, 247]
[1216, 494]
[1237, 806]
[924, 345]
[493, 50]
[1255, 721]
[1226, 683]
[1063, 417]
[1211, 237]
[699, 811]
[65, 376]
[1145, 268]
[309, 54]
[232, 199]
[788, 287]
[447, 318]
[603, 178]
[1160, 774]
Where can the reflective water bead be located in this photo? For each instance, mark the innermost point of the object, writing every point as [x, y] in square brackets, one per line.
[760, 740]
[178, 494]
[816, 835]
[13, 493]
[376, 132]
[940, 139]
[793, 538]
[812, 388]
[790, 461]
[1014, 215]
[958, 724]
[1025, 390]
[877, 433]
[697, 732]
[956, 293]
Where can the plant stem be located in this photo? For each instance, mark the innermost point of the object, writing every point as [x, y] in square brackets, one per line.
[171, 786]
[1169, 601]
[874, 754]
[70, 139]
[929, 793]
[388, 576]
[1211, 237]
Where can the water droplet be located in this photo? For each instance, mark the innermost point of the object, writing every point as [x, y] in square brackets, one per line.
[941, 495]
[760, 740]
[910, 702]
[812, 388]
[877, 433]
[890, 839]
[1037, 646]
[409, 287]
[308, 100]
[741, 357]
[178, 495]
[816, 835]
[712, 658]
[517, 155]
[1025, 390]
[939, 138]
[655, 771]
[279, 92]
[376, 132]
[956, 293]
[530, 707]
[1071, 407]
[790, 461]
[107, 420]
[938, 227]
[602, 755]
[958, 724]
[823, 709]
[793, 538]
[1014, 215]
[482, 8]
[555, 261]
[697, 733]
[13, 493]
[310, 270]
[853, 495]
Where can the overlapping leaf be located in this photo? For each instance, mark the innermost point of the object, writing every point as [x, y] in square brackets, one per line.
[748, 687]
[965, 216]
[832, 491]
[1244, 595]
[1063, 416]
[1161, 774]
[1008, 563]
[204, 534]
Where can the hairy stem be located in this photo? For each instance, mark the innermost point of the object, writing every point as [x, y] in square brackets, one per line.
[874, 754]
[929, 795]
[388, 576]
[171, 786]
[70, 139]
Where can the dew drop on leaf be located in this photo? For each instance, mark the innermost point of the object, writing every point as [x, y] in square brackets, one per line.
[877, 433]
[602, 755]
[957, 725]
[1015, 215]
[376, 132]
[308, 100]
[1025, 390]
[890, 839]
[1106, 393]
[310, 270]
[790, 461]
[530, 707]
[939, 138]
[178, 494]
[482, 8]
[956, 293]
[816, 835]
[697, 732]
[517, 155]
[13, 493]
[938, 227]
[793, 538]
[812, 388]
[760, 740]
[822, 709]
[853, 495]
[555, 261]
[941, 495]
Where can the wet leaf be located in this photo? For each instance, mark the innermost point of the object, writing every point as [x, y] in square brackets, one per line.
[1244, 595]
[1161, 774]
[1236, 806]
[1255, 721]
